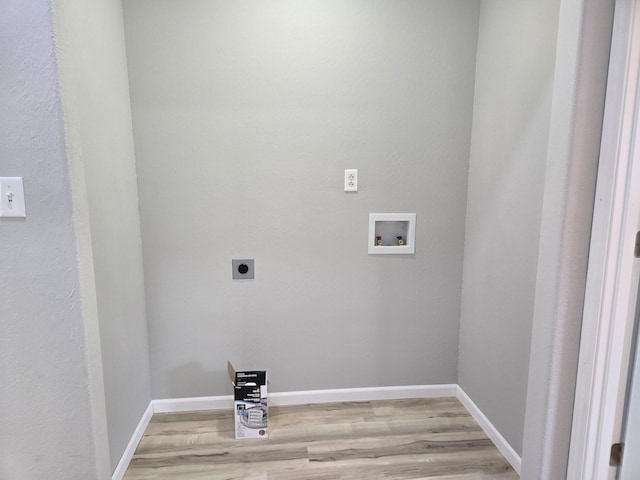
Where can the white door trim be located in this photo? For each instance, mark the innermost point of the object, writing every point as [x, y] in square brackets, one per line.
[610, 296]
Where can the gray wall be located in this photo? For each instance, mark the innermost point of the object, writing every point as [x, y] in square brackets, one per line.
[514, 80]
[93, 69]
[245, 116]
[52, 411]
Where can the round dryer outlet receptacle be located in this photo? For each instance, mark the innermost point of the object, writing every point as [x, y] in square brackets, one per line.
[242, 268]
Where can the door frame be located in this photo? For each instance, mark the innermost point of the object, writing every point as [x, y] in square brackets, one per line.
[610, 296]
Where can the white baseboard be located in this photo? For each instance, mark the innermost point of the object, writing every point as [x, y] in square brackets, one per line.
[123, 464]
[323, 396]
[492, 432]
[310, 396]
[361, 394]
[171, 405]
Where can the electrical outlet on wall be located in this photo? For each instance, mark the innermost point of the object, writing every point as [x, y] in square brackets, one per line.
[242, 268]
[351, 180]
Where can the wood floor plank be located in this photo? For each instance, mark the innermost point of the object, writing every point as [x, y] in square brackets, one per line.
[398, 439]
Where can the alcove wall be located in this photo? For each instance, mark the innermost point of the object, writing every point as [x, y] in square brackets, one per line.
[245, 116]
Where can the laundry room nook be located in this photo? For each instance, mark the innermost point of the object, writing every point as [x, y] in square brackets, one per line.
[294, 238]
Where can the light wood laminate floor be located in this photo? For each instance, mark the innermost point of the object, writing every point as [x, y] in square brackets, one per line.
[395, 439]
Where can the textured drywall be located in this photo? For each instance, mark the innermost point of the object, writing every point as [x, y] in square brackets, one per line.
[52, 412]
[95, 92]
[514, 78]
[245, 116]
[574, 143]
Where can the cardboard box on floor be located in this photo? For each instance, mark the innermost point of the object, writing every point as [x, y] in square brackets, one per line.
[250, 411]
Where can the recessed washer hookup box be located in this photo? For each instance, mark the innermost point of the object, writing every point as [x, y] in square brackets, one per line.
[251, 413]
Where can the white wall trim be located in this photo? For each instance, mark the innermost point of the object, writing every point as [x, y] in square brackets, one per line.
[362, 394]
[310, 396]
[191, 404]
[492, 432]
[610, 292]
[123, 464]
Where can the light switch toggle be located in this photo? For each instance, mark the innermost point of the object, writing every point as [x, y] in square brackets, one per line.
[12, 202]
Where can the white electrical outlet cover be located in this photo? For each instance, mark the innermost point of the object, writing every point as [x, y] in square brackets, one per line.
[12, 197]
[351, 180]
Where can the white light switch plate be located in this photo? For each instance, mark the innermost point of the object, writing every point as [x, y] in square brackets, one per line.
[12, 197]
